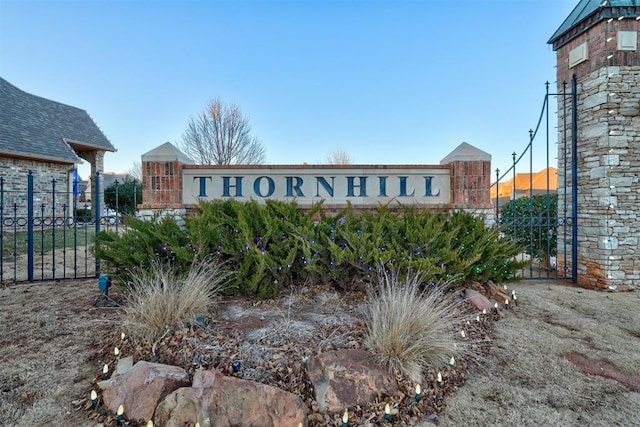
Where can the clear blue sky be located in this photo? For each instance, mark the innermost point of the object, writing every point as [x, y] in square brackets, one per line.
[389, 82]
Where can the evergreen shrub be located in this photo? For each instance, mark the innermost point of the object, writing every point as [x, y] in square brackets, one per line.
[145, 242]
[272, 246]
[533, 224]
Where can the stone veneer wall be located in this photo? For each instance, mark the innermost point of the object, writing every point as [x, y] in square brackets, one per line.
[15, 171]
[608, 123]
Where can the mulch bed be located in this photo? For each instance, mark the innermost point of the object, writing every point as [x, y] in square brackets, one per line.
[281, 364]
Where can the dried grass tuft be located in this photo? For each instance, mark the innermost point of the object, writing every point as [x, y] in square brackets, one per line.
[162, 301]
[407, 329]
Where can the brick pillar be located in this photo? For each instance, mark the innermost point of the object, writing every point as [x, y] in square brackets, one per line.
[470, 179]
[601, 50]
[162, 178]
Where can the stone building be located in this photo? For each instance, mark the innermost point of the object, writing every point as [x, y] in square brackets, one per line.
[598, 44]
[50, 139]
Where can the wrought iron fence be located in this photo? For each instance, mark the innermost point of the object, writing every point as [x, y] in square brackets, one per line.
[545, 224]
[47, 234]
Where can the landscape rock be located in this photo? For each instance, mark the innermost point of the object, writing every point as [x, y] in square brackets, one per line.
[124, 365]
[477, 299]
[345, 378]
[142, 388]
[218, 400]
[495, 292]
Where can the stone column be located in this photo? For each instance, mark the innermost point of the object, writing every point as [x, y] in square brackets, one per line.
[603, 55]
[96, 158]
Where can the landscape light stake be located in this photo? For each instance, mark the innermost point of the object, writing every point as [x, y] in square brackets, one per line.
[495, 308]
[463, 334]
[477, 318]
[105, 371]
[484, 311]
[122, 335]
[345, 418]
[439, 379]
[452, 361]
[387, 412]
[506, 304]
[116, 353]
[150, 423]
[120, 416]
[418, 391]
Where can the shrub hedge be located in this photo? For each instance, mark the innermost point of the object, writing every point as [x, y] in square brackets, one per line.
[277, 245]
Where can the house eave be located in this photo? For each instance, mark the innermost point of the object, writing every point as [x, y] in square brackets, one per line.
[601, 14]
[28, 156]
[83, 146]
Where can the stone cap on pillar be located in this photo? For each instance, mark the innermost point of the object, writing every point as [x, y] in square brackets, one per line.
[166, 152]
[466, 152]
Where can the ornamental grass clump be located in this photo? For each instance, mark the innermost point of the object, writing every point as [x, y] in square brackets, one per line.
[162, 300]
[409, 329]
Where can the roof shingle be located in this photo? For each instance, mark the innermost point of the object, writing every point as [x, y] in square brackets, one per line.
[36, 127]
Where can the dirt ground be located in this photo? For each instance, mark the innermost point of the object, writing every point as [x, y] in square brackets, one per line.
[528, 378]
[534, 374]
[50, 336]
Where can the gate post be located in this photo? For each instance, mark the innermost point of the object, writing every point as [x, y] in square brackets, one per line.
[96, 215]
[30, 226]
[53, 228]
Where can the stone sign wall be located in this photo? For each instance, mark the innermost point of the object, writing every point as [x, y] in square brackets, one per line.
[172, 184]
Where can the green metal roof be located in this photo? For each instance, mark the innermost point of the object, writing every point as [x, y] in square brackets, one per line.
[586, 8]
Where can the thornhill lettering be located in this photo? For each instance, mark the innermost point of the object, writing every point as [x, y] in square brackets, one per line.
[324, 187]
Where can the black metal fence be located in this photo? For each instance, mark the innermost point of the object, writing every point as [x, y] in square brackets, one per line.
[544, 220]
[47, 234]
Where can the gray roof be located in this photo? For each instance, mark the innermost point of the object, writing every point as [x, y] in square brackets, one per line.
[466, 152]
[35, 127]
[166, 152]
[585, 10]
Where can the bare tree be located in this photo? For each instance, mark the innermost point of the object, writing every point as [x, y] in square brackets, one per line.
[221, 135]
[339, 157]
[135, 172]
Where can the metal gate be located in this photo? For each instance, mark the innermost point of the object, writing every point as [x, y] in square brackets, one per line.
[46, 234]
[541, 218]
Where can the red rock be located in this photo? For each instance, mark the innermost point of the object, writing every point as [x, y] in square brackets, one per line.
[495, 292]
[478, 300]
[140, 389]
[219, 400]
[345, 378]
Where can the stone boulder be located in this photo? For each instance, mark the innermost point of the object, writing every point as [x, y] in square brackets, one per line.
[218, 400]
[345, 378]
[477, 299]
[124, 365]
[142, 388]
